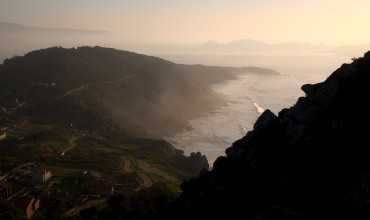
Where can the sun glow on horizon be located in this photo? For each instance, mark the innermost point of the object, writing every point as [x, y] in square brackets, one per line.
[332, 22]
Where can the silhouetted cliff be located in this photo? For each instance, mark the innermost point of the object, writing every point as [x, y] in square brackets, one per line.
[312, 161]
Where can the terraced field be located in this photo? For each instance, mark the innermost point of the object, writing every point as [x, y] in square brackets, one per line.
[79, 168]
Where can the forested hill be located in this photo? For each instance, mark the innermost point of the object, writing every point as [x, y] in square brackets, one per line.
[101, 87]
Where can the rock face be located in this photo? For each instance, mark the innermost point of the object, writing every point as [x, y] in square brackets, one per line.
[312, 161]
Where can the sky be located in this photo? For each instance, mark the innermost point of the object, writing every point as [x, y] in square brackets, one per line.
[330, 22]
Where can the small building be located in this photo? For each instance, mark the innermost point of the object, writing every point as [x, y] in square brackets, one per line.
[46, 175]
[3, 136]
[32, 207]
[5, 190]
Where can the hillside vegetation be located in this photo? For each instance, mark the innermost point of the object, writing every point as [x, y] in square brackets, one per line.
[83, 128]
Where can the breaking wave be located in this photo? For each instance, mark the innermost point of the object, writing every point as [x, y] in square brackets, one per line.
[259, 109]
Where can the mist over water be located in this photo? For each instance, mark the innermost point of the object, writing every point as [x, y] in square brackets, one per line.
[247, 97]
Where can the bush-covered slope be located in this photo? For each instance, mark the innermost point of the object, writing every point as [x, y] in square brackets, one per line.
[91, 87]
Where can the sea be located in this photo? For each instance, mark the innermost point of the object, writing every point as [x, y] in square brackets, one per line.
[247, 97]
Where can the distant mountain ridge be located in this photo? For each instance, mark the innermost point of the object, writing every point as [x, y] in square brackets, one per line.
[17, 39]
[250, 46]
[9, 27]
[256, 47]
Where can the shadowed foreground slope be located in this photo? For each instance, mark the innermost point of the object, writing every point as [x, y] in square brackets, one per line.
[310, 162]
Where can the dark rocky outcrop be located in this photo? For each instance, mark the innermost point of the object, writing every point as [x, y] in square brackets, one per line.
[312, 161]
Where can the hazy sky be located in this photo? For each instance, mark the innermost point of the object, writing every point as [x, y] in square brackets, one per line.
[333, 22]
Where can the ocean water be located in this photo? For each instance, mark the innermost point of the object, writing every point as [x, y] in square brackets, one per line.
[248, 96]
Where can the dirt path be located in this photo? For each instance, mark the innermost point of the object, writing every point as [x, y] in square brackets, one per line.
[146, 181]
[116, 82]
[3, 109]
[148, 168]
[76, 90]
[76, 210]
[72, 145]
